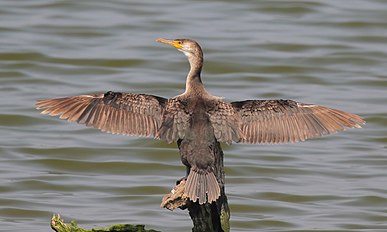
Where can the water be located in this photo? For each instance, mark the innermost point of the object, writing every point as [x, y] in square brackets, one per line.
[331, 53]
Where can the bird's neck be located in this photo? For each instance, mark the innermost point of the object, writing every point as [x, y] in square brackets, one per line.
[194, 82]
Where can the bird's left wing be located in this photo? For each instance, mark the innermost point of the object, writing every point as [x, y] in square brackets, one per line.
[112, 112]
[175, 121]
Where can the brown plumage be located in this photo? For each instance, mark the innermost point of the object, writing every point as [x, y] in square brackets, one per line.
[196, 120]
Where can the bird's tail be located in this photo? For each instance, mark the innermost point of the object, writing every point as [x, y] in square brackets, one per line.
[202, 185]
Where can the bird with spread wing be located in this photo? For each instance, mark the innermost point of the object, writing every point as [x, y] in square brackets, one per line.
[195, 119]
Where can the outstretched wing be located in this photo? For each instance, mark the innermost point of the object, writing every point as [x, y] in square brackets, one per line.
[175, 121]
[282, 121]
[226, 122]
[112, 112]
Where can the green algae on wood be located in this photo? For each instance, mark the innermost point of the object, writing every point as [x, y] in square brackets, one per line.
[58, 225]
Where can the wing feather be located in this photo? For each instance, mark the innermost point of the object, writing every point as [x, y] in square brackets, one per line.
[281, 121]
[225, 121]
[175, 121]
[113, 112]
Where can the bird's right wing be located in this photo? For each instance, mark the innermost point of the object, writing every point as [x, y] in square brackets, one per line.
[226, 121]
[112, 112]
[282, 121]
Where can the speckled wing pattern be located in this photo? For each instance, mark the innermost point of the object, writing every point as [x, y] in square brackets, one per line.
[283, 121]
[225, 121]
[175, 121]
[112, 112]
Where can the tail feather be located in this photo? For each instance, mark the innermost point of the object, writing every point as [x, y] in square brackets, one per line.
[202, 186]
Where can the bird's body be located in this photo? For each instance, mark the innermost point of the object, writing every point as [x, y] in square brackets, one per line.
[196, 153]
[197, 121]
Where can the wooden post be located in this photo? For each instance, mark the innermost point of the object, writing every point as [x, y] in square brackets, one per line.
[213, 217]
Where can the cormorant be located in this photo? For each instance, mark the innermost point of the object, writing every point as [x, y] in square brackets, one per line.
[196, 119]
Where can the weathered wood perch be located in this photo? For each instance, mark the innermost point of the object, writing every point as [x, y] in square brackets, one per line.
[212, 217]
[207, 217]
[58, 225]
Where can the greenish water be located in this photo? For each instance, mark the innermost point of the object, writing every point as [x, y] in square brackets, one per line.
[332, 53]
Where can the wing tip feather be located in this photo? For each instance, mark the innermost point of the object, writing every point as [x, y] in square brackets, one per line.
[264, 121]
[82, 109]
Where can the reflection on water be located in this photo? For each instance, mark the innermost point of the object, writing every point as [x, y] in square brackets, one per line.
[326, 52]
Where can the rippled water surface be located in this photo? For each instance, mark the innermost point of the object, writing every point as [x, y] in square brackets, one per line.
[330, 52]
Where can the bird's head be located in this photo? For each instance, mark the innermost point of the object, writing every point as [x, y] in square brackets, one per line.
[189, 47]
